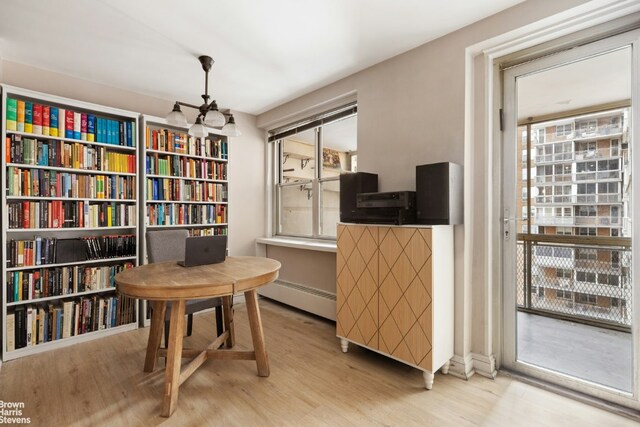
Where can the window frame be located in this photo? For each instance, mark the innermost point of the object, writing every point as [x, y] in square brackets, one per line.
[276, 137]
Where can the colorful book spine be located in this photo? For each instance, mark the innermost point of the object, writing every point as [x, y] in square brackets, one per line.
[28, 117]
[83, 126]
[20, 116]
[77, 125]
[12, 114]
[53, 121]
[46, 120]
[129, 136]
[37, 119]
[91, 128]
[68, 128]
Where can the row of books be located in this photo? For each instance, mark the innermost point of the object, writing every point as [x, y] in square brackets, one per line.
[30, 325]
[213, 231]
[60, 281]
[69, 214]
[176, 214]
[183, 190]
[185, 167]
[173, 141]
[74, 155]
[50, 183]
[40, 119]
[50, 250]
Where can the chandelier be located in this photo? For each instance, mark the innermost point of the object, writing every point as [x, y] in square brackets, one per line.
[208, 115]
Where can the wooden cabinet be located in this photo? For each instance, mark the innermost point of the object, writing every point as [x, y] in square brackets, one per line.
[395, 292]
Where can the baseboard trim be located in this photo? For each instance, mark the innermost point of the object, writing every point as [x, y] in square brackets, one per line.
[461, 366]
[484, 365]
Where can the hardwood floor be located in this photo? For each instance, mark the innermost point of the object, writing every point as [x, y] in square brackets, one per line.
[312, 383]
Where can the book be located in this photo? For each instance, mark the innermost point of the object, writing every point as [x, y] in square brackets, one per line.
[91, 128]
[28, 117]
[20, 116]
[83, 126]
[11, 332]
[37, 119]
[53, 121]
[46, 120]
[12, 114]
[77, 125]
[62, 119]
[68, 127]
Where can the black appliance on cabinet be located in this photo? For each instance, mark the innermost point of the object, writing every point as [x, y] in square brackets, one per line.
[439, 193]
[350, 185]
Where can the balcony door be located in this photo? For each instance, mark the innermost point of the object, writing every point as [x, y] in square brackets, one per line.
[570, 307]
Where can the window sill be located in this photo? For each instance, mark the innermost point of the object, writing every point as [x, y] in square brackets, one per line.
[299, 243]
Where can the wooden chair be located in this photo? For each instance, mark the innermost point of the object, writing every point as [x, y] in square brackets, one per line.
[168, 245]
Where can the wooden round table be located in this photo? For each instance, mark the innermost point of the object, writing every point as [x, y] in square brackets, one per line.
[168, 282]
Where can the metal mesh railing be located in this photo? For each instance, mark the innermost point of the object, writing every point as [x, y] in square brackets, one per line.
[585, 278]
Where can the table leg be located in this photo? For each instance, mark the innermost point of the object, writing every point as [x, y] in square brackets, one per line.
[155, 334]
[255, 322]
[227, 307]
[174, 359]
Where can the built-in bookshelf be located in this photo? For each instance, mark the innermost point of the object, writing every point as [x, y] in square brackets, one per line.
[70, 215]
[185, 180]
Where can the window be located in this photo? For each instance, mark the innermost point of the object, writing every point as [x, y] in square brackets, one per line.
[586, 254]
[585, 210]
[586, 231]
[563, 273]
[584, 276]
[309, 158]
[586, 298]
[564, 294]
[565, 231]
[608, 279]
[563, 130]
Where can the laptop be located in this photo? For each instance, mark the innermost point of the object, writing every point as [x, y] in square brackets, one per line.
[204, 250]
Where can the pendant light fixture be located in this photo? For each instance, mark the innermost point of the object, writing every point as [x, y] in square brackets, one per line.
[208, 115]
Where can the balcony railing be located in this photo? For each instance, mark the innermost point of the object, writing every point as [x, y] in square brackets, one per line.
[581, 198]
[586, 221]
[579, 278]
[578, 135]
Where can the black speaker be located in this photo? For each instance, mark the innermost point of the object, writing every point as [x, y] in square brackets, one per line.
[350, 185]
[439, 193]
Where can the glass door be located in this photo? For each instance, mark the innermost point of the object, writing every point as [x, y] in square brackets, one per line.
[569, 254]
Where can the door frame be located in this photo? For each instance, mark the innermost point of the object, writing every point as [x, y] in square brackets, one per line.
[509, 197]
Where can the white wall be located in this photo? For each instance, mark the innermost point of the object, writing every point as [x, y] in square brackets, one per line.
[246, 165]
[411, 111]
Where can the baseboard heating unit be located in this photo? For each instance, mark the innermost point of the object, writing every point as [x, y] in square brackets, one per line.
[316, 301]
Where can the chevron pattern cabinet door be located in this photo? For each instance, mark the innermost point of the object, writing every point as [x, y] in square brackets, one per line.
[357, 284]
[405, 301]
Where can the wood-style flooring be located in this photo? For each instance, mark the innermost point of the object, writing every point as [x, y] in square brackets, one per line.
[312, 383]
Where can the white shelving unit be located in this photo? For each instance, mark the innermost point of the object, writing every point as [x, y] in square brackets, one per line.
[9, 234]
[147, 125]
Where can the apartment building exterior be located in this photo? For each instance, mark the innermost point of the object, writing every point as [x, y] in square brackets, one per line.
[574, 185]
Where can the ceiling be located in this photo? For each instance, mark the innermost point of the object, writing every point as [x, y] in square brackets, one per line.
[266, 52]
[596, 80]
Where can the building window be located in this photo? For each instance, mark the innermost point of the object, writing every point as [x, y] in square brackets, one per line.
[562, 294]
[609, 279]
[563, 273]
[586, 298]
[563, 130]
[586, 231]
[585, 276]
[309, 158]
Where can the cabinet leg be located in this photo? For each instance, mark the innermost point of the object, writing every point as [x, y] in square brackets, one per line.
[428, 379]
[344, 344]
[445, 368]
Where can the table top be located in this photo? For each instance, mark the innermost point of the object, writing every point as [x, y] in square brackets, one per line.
[170, 281]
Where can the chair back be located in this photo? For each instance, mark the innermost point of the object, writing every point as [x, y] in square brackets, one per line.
[166, 245]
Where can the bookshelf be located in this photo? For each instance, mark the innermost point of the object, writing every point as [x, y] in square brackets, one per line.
[184, 181]
[69, 220]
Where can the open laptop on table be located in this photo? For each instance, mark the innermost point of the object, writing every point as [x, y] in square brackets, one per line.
[204, 250]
